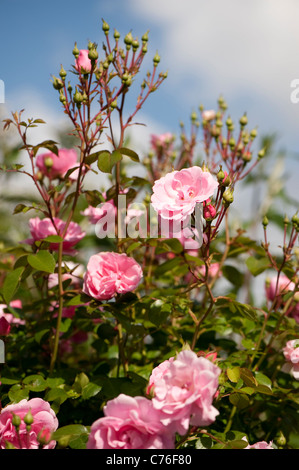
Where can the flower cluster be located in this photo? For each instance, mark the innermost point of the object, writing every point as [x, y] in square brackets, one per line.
[182, 390]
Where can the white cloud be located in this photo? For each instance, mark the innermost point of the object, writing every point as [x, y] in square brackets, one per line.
[246, 50]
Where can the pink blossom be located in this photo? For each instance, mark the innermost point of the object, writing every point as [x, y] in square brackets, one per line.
[291, 354]
[214, 270]
[56, 166]
[43, 228]
[83, 63]
[259, 445]
[95, 214]
[44, 418]
[161, 141]
[8, 319]
[129, 423]
[185, 391]
[75, 276]
[110, 273]
[175, 195]
[209, 211]
[284, 286]
[208, 115]
[158, 373]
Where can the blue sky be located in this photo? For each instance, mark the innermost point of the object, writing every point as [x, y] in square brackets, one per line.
[247, 51]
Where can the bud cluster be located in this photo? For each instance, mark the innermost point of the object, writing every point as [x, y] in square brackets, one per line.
[104, 82]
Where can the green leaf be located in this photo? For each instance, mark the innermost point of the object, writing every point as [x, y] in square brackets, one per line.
[107, 160]
[18, 393]
[129, 153]
[263, 379]
[90, 390]
[240, 400]
[35, 383]
[69, 435]
[11, 283]
[53, 239]
[42, 261]
[233, 374]
[257, 266]
[248, 377]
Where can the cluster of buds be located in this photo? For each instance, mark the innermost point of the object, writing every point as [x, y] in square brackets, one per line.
[96, 80]
[235, 150]
[43, 437]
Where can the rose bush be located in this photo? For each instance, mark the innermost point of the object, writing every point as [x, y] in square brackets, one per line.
[132, 317]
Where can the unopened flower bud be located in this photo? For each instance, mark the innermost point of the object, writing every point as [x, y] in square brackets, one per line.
[253, 134]
[62, 97]
[57, 83]
[295, 219]
[228, 197]
[78, 97]
[62, 73]
[209, 211]
[135, 44]
[93, 54]
[28, 418]
[281, 440]
[243, 121]
[128, 40]
[145, 37]
[156, 59]
[113, 105]
[246, 157]
[116, 35]
[265, 221]
[16, 421]
[232, 143]
[193, 116]
[44, 437]
[220, 174]
[76, 51]
[105, 27]
[48, 162]
[215, 131]
[261, 153]
[229, 122]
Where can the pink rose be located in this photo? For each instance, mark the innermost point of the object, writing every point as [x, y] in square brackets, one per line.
[56, 166]
[110, 273]
[42, 228]
[284, 285]
[291, 354]
[44, 419]
[175, 195]
[129, 423]
[83, 63]
[259, 445]
[184, 393]
[158, 373]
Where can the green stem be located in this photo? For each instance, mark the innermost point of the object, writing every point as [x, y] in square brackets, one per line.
[60, 308]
